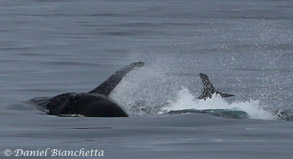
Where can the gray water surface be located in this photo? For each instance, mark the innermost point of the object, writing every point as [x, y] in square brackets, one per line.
[52, 47]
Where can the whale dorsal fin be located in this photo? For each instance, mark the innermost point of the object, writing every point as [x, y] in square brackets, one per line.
[209, 89]
[107, 86]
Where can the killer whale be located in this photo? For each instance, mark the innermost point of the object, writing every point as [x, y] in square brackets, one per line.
[95, 103]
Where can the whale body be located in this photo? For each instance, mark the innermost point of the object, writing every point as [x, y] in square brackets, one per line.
[95, 103]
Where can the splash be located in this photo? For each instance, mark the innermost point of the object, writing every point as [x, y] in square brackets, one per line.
[186, 100]
[145, 92]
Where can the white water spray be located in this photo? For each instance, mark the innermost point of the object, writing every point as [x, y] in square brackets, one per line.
[186, 100]
[146, 92]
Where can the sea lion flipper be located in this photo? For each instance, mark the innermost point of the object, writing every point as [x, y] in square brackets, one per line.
[209, 89]
[107, 86]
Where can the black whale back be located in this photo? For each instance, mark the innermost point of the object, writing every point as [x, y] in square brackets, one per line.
[107, 86]
[93, 104]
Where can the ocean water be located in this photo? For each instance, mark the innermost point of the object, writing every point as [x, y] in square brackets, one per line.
[50, 47]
